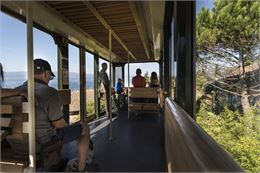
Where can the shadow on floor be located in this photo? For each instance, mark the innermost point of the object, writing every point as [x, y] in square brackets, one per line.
[136, 146]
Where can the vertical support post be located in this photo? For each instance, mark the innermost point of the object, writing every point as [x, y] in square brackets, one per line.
[128, 71]
[166, 51]
[110, 102]
[184, 17]
[114, 75]
[31, 116]
[123, 72]
[82, 67]
[96, 87]
[161, 75]
[59, 68]
[63, 68]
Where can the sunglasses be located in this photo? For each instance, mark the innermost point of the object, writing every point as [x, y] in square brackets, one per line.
[51, 77]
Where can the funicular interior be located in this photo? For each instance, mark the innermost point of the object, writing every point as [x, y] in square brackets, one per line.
[123, 32]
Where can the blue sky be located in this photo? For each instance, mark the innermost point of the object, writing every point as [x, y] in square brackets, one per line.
[13, 54]
[206, 3]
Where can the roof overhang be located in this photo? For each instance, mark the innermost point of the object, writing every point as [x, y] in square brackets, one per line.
[136, 26]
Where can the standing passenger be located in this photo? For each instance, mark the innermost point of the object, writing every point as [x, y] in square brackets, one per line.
[49, 116]
[104, 86]
[138, 80]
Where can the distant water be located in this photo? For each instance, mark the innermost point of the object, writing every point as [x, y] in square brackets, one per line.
[14, 79]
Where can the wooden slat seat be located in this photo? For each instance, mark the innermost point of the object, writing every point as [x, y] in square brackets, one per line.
[144, 100]
[5, 122]
[12, 119]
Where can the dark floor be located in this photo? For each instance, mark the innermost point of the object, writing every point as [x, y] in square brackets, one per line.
[137, 144]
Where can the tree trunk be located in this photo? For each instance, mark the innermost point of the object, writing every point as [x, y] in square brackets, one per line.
[245, 101]
[244, 86]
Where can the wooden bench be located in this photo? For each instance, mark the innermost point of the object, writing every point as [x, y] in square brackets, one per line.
[144, 100]
[14, 122]
[12, 119]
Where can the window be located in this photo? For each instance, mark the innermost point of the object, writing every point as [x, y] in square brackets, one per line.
[146, 68]
[90, 84]
[74, 83]
[13, 51]
[102, 100]
[45, 48]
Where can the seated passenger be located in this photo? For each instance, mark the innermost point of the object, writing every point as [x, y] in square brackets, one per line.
[154, 82]
[138, 80]
[49, 116]
[119, 86]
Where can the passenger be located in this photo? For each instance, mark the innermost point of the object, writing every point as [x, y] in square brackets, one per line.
[104, 86]
[138, 80]
[119, 86]
[154, 82]
[49, 116]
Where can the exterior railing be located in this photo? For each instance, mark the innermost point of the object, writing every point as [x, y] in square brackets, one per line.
[189, 148]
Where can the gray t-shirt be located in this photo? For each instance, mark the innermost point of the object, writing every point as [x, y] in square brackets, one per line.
[47, 109]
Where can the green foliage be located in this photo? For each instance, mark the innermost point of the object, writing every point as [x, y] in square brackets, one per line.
[90, 108]
[238, 134]
[201, 81]
[232, 27]
[230, 34]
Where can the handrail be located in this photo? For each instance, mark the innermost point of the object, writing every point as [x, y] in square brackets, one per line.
[189, 147]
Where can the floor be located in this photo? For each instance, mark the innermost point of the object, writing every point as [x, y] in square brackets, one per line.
[136, 145]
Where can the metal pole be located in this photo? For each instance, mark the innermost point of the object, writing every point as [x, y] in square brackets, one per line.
[96, 87]
[83, 101]
[128, 85]
[110, 106]
[59, 67]
[31, 115]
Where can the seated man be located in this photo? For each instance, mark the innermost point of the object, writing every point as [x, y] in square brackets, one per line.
[119, 86]
[49, 116]
[138, 80]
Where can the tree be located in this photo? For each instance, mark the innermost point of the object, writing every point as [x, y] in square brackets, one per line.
[229, 34]
[237, 134]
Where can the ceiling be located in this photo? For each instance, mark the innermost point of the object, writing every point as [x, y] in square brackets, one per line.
[136, 26]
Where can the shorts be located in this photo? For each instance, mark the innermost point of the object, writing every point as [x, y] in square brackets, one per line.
[70, 133]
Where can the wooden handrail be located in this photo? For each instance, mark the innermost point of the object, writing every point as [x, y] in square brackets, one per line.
[189, 148]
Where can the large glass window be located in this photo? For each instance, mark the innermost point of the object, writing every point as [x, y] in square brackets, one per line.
[227, 77]
[45, 48]
[74, 83]
[118, 73]
[146, 68]
[90, 84]
[173, 66]
[102, 99]
[13, 51]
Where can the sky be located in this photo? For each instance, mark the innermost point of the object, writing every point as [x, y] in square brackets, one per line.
[13, 49]
[204, 3]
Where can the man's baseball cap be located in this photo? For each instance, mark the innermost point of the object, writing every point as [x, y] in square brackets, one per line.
[41, 65]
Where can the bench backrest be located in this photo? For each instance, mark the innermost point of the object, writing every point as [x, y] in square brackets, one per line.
[12, 112]
[144, 92]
